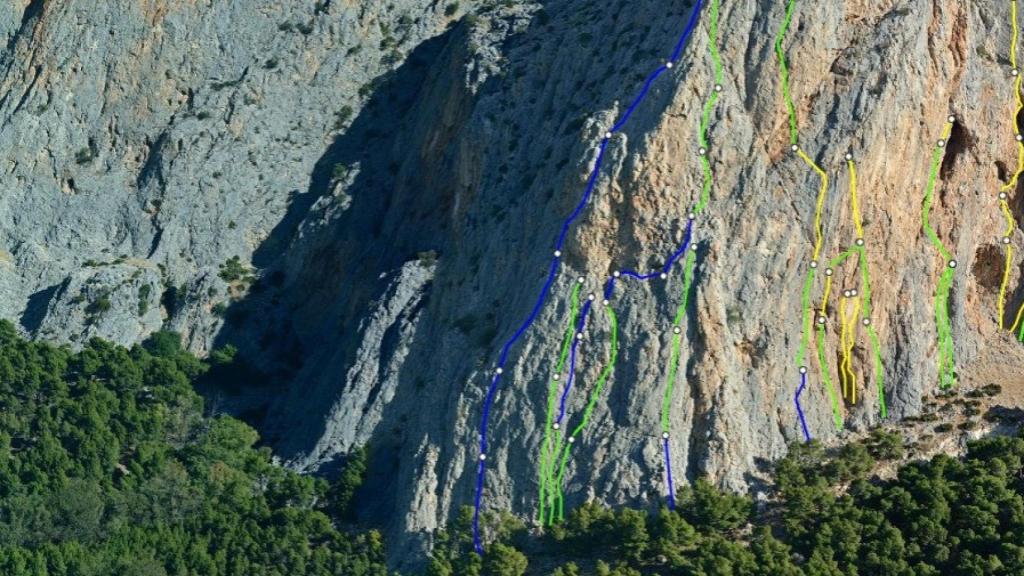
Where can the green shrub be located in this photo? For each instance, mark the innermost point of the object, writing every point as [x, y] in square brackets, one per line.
[885, 445]
[427, 258]
[992, 389]
[144, 291]
[343, 490]
[340, 171]
[84, 155]
[233, 270]
[708, 509]
[341, 118]
[223, 356]
[99, 305]
[504, 560]
[570, 569]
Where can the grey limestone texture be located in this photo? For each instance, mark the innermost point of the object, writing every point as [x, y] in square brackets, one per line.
[392, 177]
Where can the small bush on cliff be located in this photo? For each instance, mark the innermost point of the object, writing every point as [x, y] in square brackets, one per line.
[233, 270]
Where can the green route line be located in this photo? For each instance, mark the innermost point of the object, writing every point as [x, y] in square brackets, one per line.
[677, 338]
[546, 457]
[691, 256]
[865, 281]
[861, 253]
[708, 107]
[598, 387]
[819, 237]
[862, 263]
[847, 337]
[785, 72]
[945, 338]
[836, 414]
[879, 371]
[551, 485]
[805, 299]
[841, 258]
[928, 198]
[876, 347]
[942, 323]
[807, 311]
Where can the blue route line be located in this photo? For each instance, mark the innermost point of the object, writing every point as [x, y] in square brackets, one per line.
[565, 228]
[572, 361]
[668, 460]
[668, 470]
[799, 410]
[609, 287]
[643, 93]
[639, 276]
[686, 33]
[492, 389]
[682, 250]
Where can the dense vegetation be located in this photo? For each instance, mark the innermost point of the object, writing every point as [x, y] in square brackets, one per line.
[107, 466]
[825, 517]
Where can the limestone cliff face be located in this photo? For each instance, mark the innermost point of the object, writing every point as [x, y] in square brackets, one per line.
[398, 180]
[147, 143]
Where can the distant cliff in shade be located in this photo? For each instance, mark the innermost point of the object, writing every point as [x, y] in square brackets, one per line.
[364, 199]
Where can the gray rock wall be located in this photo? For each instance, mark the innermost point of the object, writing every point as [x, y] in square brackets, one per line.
[399, 246]
[174, 135]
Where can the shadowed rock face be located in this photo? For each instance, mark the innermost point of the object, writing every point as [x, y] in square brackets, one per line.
[398, 185]
[146, 143]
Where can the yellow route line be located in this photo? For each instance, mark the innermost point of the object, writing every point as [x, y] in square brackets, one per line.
[850, 303]
[818, 234]
[1020, 103]
[1020, 156]
[842, 344]
[861, 261]
[852, 330]
[1011, 224]
[1017, 321]
[864, 298]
